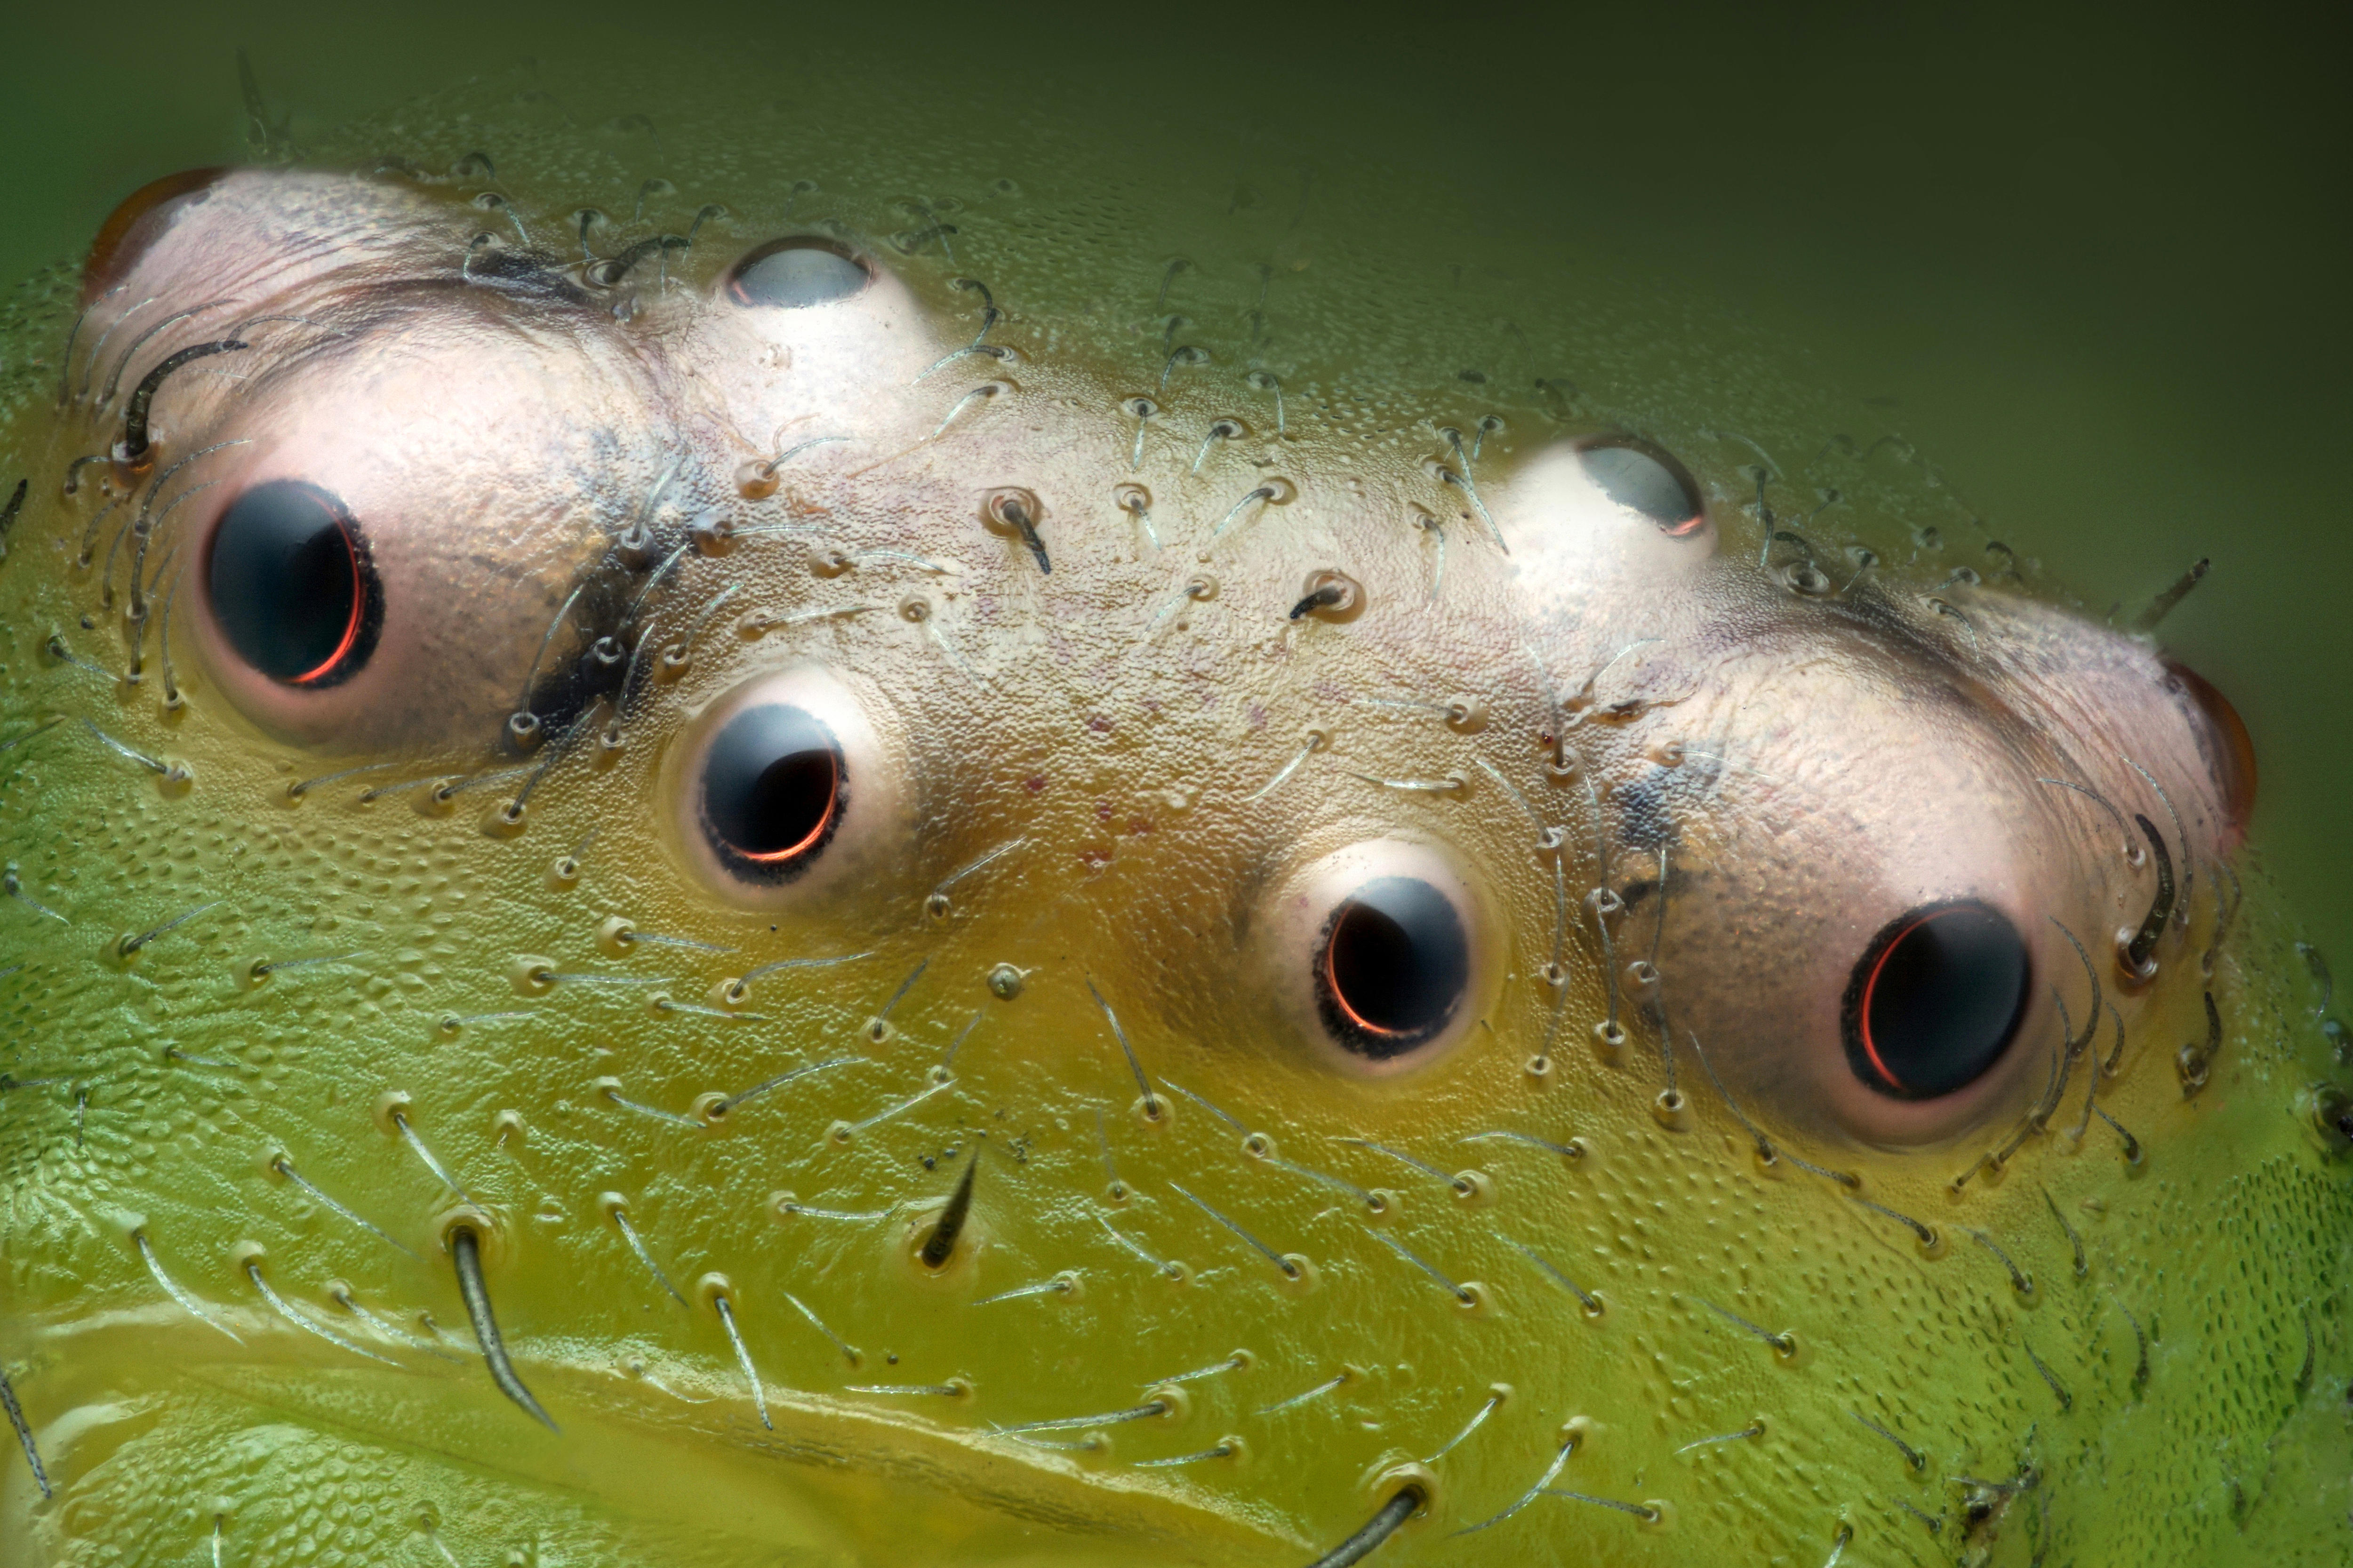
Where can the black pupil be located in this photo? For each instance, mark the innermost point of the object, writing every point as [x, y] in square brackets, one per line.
[1395, 964]
[1641, 482]
[793, 275]
[772, 789]
[1936, 1000]
[292, 587]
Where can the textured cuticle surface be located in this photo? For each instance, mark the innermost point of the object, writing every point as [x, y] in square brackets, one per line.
[1012, 884]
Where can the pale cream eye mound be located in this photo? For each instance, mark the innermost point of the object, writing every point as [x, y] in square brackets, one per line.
[1380, 956]
[782, 787]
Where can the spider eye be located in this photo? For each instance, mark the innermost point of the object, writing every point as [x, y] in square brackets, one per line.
[1393, 967]
[788, 793]
[1379, 957]
[1643, 480]
[291, 585]
[796, 274]
[2222, 742]
[143, 218]
[774, 788]
[1936, 1000]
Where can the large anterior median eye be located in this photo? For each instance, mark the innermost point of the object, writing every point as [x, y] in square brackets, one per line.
[1644, 479]
[795, 274]
[291, 585]
[1936, 1000]
[1394, 967]
[774, 788]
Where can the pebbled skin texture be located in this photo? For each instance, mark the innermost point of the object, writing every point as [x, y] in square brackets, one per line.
[1135, 785]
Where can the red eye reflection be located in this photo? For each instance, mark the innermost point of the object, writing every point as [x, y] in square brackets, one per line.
[291, 585]
[773, 786]
[1395, 965]
[1936, 1000]
[788, 793]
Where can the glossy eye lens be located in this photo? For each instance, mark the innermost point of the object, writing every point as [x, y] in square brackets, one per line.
[1646, 481]
[1394, 967]
[774, 788]
[2223, 743]
[143, 218]
[795, 274]
[1936, 1000]
[291, 585]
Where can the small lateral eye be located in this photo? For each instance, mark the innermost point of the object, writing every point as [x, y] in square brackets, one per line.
[1644, 479]
[291, 585]
[773, 791]
[1392, 968]
[1935, 999]
[137, 223]
[2223, 743]
[796, 274]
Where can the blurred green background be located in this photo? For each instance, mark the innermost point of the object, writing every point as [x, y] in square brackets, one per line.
[2096, 265]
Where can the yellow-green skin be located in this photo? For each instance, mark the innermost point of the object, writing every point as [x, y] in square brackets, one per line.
[1124, 738]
